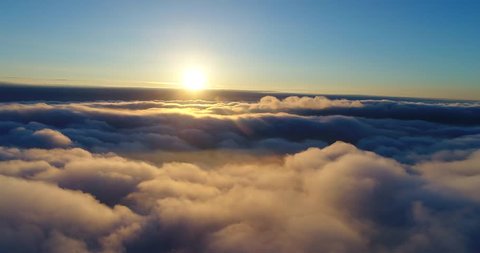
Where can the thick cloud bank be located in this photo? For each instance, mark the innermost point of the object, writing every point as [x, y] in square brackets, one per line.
[297, 174]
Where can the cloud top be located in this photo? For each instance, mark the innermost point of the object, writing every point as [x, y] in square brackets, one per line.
[294, 174]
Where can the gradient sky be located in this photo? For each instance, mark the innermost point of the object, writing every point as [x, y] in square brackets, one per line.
[396, 48]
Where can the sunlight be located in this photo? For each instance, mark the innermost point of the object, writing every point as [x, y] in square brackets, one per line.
[194, 79]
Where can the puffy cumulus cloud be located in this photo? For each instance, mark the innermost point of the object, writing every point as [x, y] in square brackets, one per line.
[35, 216]
[107, 177]
[52, 138]
[294, 102]
[335, 199]
[25, 136]
[459, 178]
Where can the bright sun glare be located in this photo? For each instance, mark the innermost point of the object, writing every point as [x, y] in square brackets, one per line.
[194, 79]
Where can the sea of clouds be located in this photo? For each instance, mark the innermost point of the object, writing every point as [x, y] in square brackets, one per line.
[276, 175]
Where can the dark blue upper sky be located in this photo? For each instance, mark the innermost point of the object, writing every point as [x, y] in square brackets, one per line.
[399, 48]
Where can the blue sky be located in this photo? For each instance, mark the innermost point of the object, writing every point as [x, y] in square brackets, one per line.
[397, 48]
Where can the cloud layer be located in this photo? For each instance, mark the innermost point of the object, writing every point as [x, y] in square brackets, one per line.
[405, 131]
[297, 174]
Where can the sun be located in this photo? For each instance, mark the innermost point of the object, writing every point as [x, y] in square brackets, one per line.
[194, 79]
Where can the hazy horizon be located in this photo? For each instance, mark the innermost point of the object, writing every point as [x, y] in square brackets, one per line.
[273, 92]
